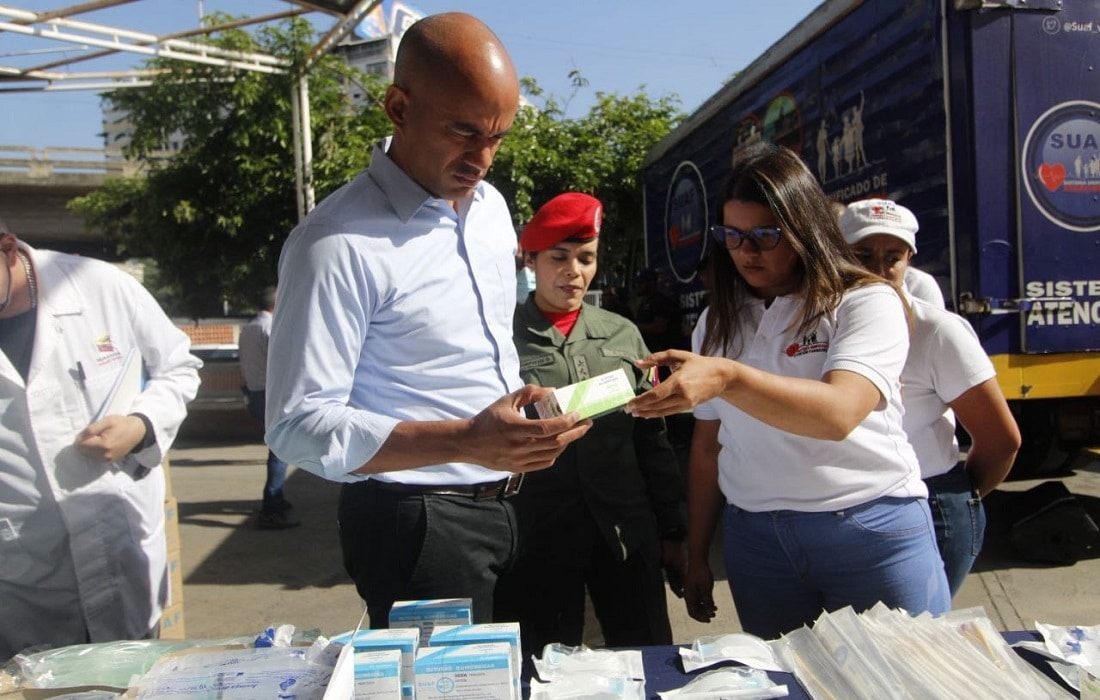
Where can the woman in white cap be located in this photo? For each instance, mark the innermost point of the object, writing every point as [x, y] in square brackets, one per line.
[883, 235]
[947, 375]
[798, 437]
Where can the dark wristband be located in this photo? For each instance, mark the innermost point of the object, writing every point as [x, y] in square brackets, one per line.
[149, 439]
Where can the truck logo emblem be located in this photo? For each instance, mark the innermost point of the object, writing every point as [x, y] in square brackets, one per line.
[1060, 165]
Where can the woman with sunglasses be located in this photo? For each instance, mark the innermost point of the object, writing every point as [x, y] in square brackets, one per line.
[798, 439]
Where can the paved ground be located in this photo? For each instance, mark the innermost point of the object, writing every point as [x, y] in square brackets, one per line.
[238, 579]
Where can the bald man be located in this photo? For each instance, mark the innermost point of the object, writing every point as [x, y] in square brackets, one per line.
[393, 368]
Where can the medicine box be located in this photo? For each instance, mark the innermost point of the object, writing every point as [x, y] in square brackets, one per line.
[481, 671]
[378, 674]
[507, 632]
[590, 398]
[403, 639]
[426, 615]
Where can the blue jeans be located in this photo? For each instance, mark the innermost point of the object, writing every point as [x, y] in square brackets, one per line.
[959, 520]
[786, 567]
[276, 468]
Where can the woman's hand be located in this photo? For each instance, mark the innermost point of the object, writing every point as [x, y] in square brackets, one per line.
[694, 379]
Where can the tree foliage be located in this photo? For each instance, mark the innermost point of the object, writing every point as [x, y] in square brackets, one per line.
[214, 216]
[601, 154]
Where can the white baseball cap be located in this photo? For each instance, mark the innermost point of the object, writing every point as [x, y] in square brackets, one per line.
[870, 216]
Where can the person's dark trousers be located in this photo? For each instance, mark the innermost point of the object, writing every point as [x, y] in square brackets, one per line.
[546, 595]
[274, 502]
[418, 547]
[959, 520]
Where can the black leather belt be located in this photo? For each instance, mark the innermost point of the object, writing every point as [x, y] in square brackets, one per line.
[479, 492]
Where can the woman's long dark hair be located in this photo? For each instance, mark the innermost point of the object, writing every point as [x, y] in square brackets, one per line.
[775, 177]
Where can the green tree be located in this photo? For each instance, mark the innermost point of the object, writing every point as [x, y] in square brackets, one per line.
[601, 153]
[213, 218]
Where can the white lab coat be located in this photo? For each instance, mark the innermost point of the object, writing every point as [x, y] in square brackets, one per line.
[82, 544]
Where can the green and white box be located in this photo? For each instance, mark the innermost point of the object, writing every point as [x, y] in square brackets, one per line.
[482, 671]
[403, 639]
[590, 398]
[426, 615]
[378, 675]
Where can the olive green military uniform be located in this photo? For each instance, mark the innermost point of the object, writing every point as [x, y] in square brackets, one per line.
[596, 518]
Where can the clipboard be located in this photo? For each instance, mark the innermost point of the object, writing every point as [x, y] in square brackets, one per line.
[125, 390]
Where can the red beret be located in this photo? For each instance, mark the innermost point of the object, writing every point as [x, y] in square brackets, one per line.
[569, 215]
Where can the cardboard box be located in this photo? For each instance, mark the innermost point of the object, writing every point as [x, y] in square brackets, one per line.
[175, 578]
[378, 674]
[486, 633]
[168, 494]
[590, 398]
[172, 524]
[466, 671]
[171, 622]
[426, 615]
[404, 640]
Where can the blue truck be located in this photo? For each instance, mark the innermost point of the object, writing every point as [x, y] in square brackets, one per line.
[981, 117]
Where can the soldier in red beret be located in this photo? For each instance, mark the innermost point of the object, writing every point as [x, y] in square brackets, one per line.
[606, 517]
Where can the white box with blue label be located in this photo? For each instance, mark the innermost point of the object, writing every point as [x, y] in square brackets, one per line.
[485, 633]
[378, 674]
[426, 615]
[403, 639]
[482, 671]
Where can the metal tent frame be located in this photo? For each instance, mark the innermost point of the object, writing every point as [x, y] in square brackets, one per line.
[64, 25]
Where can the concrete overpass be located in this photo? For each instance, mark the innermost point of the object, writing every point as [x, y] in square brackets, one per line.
[36, 185]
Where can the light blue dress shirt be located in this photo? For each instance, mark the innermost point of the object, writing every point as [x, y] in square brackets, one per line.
[392, 307]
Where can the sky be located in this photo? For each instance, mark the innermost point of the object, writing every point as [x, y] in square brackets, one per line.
[685, 49]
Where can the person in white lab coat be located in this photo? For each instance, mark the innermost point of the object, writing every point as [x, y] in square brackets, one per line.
[94, 383]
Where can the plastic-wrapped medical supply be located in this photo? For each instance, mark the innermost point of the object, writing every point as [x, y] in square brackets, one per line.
[1076, 645]
[104, 663]
[812, 665]
[742, 648]
[973, 625]
[936, 661]
[722, 683]
[559, 661]
[275, 636]
[885, 638]
[1068, 650]
[859, 661]
[589, 688]
[242, 674]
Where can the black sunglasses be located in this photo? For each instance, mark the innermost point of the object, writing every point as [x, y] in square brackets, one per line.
[763, 237]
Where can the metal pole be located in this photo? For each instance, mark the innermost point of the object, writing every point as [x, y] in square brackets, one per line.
[297, 129]
[307, 142]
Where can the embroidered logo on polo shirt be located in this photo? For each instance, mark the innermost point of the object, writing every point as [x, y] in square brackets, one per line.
[807, 345]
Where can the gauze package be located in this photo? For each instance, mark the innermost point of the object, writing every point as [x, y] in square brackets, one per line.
[560, 661]
[743, 648]
[589, 688]
[722, 683]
